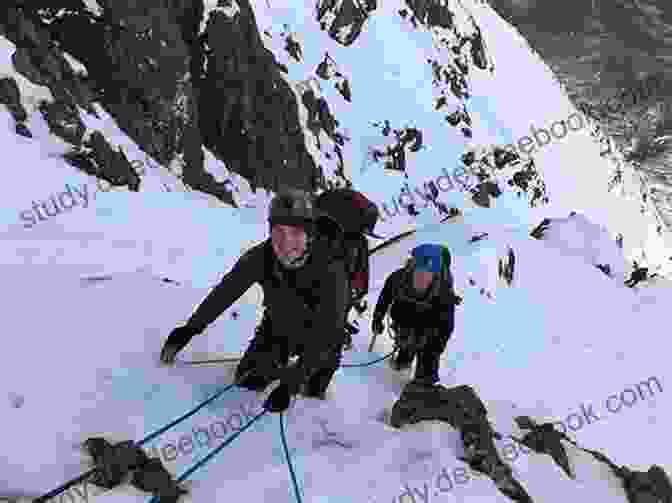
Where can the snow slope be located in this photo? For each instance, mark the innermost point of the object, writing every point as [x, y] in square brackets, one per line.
[564, 335]
[113, 386]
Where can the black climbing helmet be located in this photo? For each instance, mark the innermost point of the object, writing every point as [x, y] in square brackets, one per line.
[293, 207]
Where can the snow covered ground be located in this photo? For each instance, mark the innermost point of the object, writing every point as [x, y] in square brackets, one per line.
[86, 312]
[563, 336]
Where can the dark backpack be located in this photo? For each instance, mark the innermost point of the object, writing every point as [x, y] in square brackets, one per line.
[350, 208]
[357, 217]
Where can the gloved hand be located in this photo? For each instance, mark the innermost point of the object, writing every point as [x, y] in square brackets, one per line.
[176, 341]
[279, 399]
[457, 299]
[377, 326]
[290, 384]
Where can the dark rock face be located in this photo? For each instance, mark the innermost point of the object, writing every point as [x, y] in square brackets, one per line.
[174, 89]
[97, 158]
[255, 128]
[142, 62]
[10, 96]
[63, 121]
[140, 65]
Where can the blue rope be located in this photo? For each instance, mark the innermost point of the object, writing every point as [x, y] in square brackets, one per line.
[350, 365]
[197, 465]
[158, 432]
[151, 436]
[287, 457]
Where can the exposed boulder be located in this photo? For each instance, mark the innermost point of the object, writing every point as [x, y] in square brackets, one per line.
[529, 180]
[539, 230]
[344, 20]
[545, 439]
[394, 156]
[115, 462]
[63, 121]
[327, 70]
[97, 158]
[482, 193]
[463, 410]
[506, 266]
[10, 96]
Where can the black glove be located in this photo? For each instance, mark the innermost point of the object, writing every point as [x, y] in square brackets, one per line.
[177, 340]
[457, 299]
[278, 400]
[290, 385]
[377, 326]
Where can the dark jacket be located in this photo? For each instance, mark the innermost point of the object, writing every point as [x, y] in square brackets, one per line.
[435, 309]
[313, 324]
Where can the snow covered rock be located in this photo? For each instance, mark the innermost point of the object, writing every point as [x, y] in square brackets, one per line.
[463, 409]
[343, 19]
[577, 236]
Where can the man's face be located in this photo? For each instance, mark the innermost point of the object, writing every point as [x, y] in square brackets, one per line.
[422, 280]
[289, 242]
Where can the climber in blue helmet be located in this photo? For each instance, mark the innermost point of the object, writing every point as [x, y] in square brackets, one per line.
[423, 310]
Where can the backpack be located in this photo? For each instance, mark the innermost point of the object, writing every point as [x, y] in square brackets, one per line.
[357, 216]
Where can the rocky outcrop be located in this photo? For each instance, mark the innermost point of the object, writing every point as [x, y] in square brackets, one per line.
[328, 70]
[115, 462]
[10, 96]
[40, 61]
[344, 20]
[652, 486]
[483, 168]
[255, 128]
[97, 158]
[506, 266]
[142, 64]
[406, 140]
[539, 230]
[450, 79]
[139, 64]
[461, 407]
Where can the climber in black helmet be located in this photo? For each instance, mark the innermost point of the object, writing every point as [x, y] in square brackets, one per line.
[305, 290]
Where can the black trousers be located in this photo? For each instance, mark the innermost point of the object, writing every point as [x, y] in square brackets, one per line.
[268, 354]
[425, 343]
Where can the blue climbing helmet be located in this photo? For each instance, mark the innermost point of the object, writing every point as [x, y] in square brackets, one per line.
[428, 258]
[431, 257]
